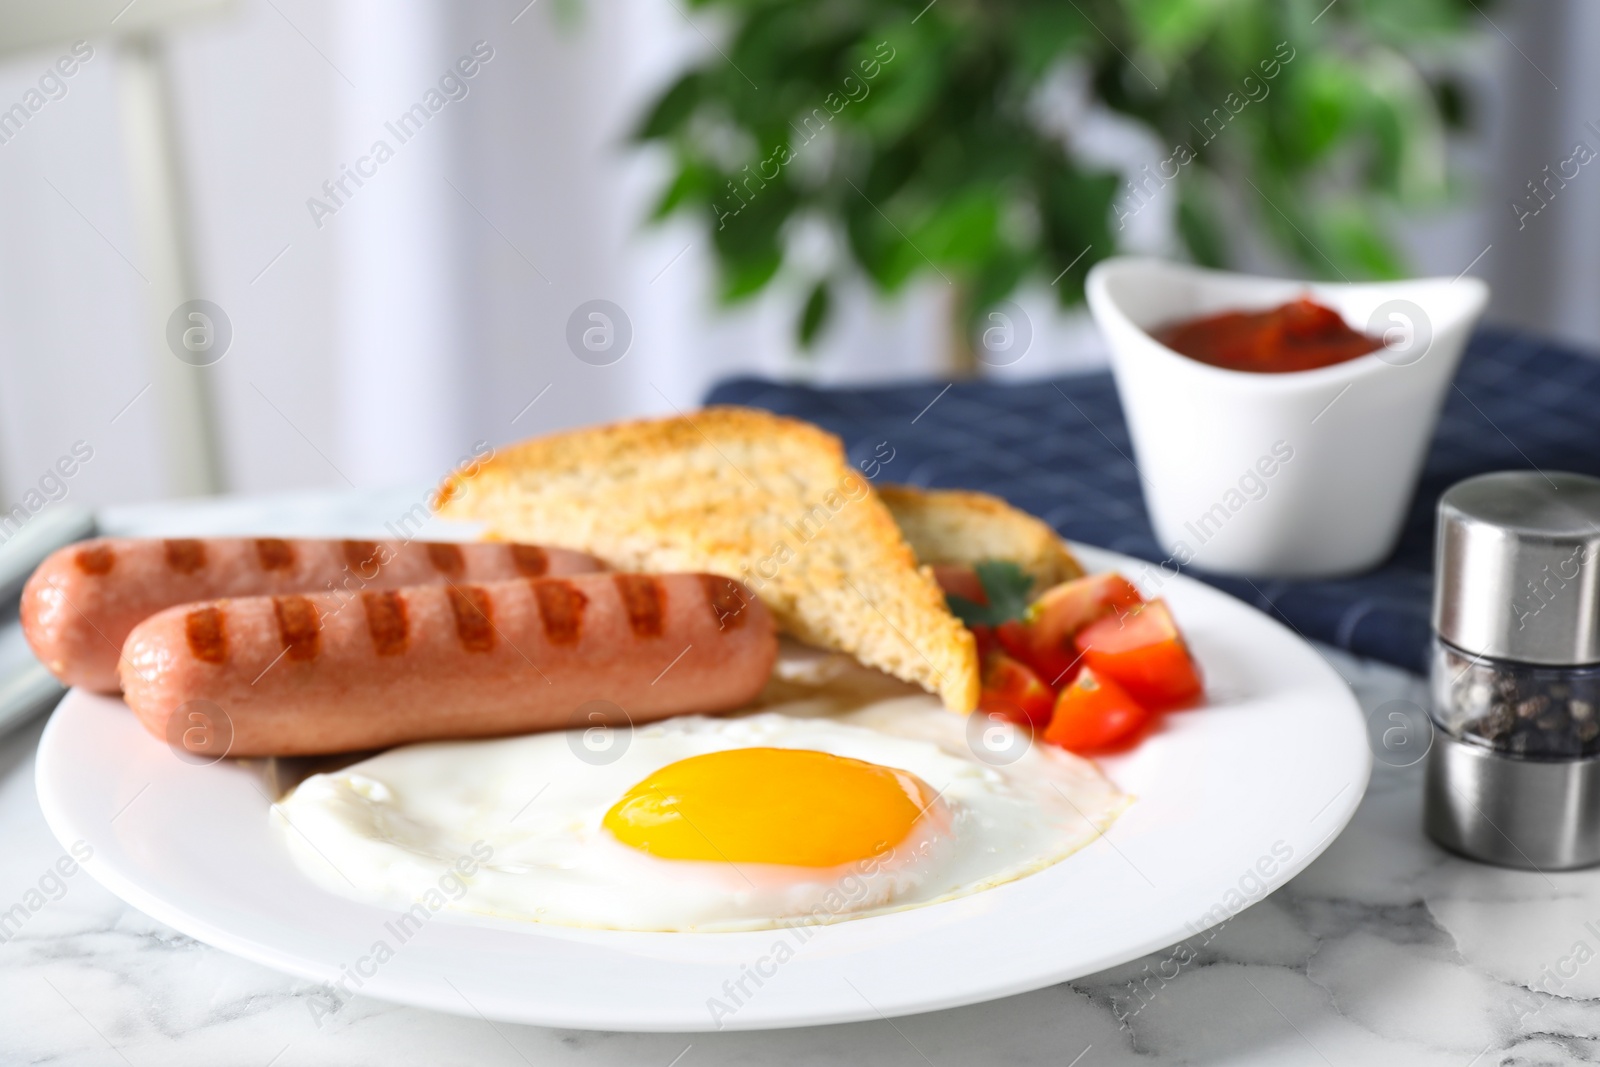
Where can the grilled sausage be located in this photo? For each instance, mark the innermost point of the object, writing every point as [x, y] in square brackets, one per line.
[82, 601]
[312, 674]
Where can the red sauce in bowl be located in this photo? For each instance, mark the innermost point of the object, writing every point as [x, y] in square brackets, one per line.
[1299, 335]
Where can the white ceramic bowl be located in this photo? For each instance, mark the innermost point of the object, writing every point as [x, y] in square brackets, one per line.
[1304, 474]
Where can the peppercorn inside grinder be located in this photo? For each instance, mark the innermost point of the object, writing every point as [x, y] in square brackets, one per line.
[1513, 774]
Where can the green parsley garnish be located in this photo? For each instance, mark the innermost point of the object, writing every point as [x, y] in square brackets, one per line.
[1005, 584]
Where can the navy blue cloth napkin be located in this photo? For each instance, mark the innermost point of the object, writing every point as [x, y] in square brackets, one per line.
[1059, 449]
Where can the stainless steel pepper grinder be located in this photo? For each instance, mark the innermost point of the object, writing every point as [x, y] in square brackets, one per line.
[1513, 775]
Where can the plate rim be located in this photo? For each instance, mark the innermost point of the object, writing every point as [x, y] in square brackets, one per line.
[399, 988]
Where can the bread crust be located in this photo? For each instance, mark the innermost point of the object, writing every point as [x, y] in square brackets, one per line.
[961, 526]
[741, 492]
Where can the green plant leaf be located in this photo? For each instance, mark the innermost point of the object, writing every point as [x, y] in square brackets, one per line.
[1170, 29]
[814, 314]
[691, 185]
[1076, 210]
[995, 279]
[1354, 238]
[951, 147]
[1198, 226]
[963, 230]
[879, 244]
[904, 94]
[743, 278]
[1405, 22]
[672, 108]
[1329, 101]
[1044, 34]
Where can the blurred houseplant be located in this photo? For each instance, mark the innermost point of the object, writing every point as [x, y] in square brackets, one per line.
[923, 136]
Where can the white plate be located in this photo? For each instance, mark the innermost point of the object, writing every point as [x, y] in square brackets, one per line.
[1233, 799]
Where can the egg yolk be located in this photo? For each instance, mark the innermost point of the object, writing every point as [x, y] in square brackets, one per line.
[770, 805]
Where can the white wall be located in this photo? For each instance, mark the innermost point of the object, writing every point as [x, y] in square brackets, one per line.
[70, 290]
[1545, 268]
[433, 306]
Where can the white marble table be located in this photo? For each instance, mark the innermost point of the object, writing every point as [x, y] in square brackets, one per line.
[1385, 951]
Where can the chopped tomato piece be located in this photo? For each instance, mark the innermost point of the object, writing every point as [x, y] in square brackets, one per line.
[1015, 640]
[1143, 652]
[1045, 643]
[1094, 713]
[1063, 610]
[1054, 664]
[1013, 691]
[962, 580]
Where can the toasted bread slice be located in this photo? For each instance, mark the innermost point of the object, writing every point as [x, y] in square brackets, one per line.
[956, 526]
[744, 493]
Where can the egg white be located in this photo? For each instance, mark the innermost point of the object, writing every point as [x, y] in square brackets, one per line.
[384, 830]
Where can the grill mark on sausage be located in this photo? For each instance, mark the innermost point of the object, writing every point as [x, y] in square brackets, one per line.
[474, 617]
[561, 607]
[386, 622]
[531, 561]
[274, 553]
[361, 556]
[208, 641]
[446, 559]
[96, 559]
[728, 600]
[185, 555]
[642, 596]
[299, 626]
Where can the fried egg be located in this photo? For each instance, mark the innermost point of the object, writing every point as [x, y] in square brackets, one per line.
[830, 802]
